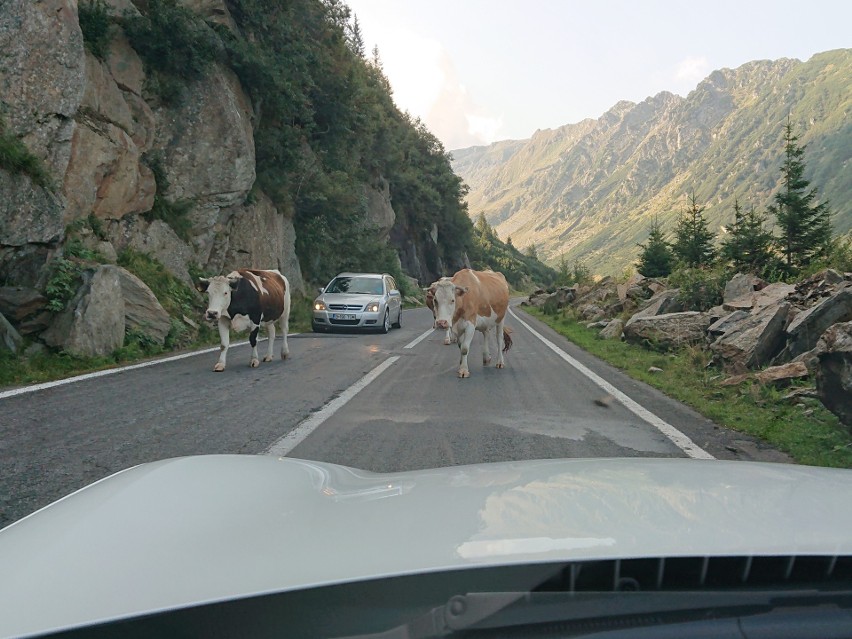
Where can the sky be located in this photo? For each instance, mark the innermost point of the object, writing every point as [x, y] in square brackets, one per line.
[478, 71]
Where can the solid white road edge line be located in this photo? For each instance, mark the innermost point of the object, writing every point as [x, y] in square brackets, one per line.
[310, 424]
[678, 438]
[112, 371]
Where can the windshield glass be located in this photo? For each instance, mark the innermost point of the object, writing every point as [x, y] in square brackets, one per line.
[363, 285]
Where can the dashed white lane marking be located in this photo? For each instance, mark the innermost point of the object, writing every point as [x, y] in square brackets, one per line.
[678, 438]
[310, 424]
[112, 371]
[419, 339]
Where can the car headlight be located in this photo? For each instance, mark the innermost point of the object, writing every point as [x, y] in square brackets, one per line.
[373, 307]
[319, 306]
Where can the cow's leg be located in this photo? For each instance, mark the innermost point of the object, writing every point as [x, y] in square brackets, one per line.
[270, 333]
[224, 342]
[285, 328]
[448, 338]
[500, 362]
[486, 349]
[255, 362]
[465, 338]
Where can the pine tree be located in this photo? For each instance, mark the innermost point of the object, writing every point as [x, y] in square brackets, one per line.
[693, 243]
[656, 258]
[749, 245]
[805, 227]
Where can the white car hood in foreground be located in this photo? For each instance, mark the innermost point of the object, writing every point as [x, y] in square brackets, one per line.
[211, 528]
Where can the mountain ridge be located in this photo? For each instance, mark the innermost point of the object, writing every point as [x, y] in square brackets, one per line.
[588, 191]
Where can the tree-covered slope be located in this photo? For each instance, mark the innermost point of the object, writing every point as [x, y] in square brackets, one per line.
[589, 191]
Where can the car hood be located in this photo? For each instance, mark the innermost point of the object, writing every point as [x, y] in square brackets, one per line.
[210, 528]
[361, 299]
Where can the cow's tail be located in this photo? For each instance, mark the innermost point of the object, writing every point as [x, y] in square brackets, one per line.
[507, 338]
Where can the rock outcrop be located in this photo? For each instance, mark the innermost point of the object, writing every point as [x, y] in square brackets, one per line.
[770, 333]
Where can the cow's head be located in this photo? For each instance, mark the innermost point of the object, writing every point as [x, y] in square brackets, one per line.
[445, 300]
[218, 291]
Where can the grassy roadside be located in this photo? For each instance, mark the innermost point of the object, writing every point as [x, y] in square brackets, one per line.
[801, 427]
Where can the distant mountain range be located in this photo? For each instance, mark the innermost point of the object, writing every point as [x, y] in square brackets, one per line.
[589, 191]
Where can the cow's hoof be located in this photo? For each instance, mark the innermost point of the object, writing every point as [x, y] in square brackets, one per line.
[487, 360]
[463, 374]
[218, 368]
[285, 355]
[254, 363]
[268, 358]
[447, 342]
[501, 365]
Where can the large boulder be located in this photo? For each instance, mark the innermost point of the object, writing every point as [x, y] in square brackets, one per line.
[741, 285]
[752, 341]
[92, 324]
[661, 303]
[143, 312]
[808, 326]
[670, 330]
[834, 371]
[18, 302]
[10, 340]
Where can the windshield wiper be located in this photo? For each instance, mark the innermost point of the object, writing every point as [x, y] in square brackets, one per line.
[742, 614]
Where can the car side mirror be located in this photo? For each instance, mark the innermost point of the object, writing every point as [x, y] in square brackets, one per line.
[321, 290]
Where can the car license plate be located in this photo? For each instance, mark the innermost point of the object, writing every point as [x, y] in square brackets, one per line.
[343, 316]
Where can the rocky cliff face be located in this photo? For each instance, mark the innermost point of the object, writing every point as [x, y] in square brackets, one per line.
[589, 190]
[90, 122]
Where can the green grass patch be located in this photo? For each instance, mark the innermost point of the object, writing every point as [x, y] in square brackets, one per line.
[15, 157]
[808, 432]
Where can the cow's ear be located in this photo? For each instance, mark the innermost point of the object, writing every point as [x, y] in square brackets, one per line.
[461, 290]
[202, 284]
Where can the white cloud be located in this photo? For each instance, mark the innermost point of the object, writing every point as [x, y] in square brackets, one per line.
[425, 84]
[691, 71]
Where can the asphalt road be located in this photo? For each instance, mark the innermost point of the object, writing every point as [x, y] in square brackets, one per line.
[378, 402]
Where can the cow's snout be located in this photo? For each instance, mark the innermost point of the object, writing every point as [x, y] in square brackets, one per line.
[442, 324]
[211, 314]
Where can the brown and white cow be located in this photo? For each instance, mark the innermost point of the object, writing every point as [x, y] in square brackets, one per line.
[449, 338]
[246, 299]
[473, 301]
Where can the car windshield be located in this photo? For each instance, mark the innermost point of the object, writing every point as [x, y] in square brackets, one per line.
[361, 285]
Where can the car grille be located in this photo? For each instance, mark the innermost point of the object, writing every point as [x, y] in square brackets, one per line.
[345, 307]
[337, 322]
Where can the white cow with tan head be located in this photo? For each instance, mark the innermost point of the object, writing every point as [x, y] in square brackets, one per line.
[473, 301]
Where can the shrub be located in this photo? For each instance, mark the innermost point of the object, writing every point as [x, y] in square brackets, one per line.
[700, 288]
[95, 25]
[62, 283]
[16, 158]
[175, 44]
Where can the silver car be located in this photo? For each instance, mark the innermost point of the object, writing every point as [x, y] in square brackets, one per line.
[370, 301]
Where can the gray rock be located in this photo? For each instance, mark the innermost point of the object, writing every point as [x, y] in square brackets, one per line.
[10, 339]
[741, 285]
[143, 313]
[92, 325]
[661, 303]
[18, 302]
[612, 330]
[807, 327]
[834, 372]
[753, 341]
[670, 330]
[727, 323]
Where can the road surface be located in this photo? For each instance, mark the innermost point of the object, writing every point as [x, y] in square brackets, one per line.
[378, 402]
